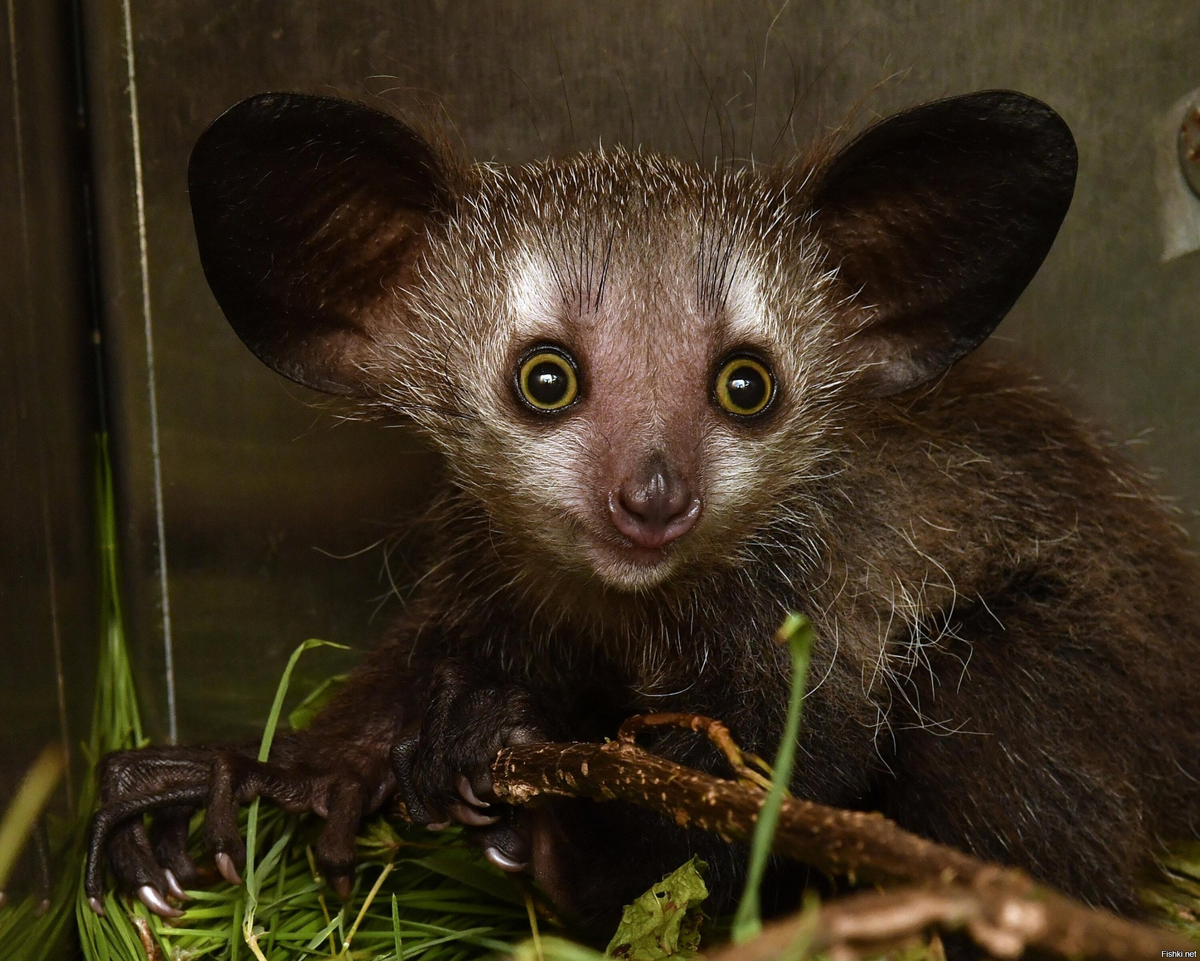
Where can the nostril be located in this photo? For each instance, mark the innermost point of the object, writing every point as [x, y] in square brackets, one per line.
[656, 500]
[655, 512]
[629, 503]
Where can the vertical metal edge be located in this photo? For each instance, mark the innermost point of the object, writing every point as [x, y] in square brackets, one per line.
[139, 193]
[123, 265]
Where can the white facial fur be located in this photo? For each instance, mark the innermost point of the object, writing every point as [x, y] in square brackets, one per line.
[618, 259]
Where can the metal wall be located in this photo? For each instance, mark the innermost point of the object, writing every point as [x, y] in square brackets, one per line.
[47, 398]
[237, 497]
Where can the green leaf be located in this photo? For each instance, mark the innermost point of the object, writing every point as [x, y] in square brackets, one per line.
[554, 949]
[264, 750]
[665, 921]
[303, 713]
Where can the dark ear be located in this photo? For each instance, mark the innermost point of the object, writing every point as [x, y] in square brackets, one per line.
[307, 210]
[937, 219]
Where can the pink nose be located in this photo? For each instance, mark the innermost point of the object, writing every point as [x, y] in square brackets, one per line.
[655, 509]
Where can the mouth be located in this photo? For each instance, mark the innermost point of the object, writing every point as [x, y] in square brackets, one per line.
[640, 556]
[627, 565]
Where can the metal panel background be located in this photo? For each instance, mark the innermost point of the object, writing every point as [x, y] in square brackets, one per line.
[48, 600]
[238, 487]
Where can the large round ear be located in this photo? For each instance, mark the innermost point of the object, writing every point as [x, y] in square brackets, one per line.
[309, 213]
[936, 219]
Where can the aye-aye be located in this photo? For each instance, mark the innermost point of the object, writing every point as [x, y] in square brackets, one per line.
[674, 404]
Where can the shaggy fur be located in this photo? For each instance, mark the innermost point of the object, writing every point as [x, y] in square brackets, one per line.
[1006, 616]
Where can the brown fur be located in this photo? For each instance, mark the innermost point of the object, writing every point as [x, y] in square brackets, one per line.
[1006, 622]
[1005, 612]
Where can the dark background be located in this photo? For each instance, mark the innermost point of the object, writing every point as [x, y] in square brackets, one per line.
[263, 508]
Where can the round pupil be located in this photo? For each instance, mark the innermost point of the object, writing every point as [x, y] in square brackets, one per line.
[547, 382]
[747, 388]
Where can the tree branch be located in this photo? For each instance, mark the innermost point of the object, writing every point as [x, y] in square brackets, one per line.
[1002, 908]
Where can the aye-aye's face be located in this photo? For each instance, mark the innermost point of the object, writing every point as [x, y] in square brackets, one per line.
[636, 348]
[632, 365]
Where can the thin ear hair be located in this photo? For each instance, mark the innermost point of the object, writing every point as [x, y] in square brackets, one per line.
[938, 218]
[309, 211]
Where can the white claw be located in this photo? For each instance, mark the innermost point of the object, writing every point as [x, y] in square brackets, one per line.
[156, 902]
[228, 871]
[472, 818]
[174, 888]
[96, 906]
[437, 826]
[468, 793]
[503, 861]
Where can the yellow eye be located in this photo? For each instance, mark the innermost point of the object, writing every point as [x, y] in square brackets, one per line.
[547, 381]
[744, 386]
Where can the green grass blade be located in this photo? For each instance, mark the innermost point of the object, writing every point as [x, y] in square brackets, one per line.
[397, 940]
[264, 752]
[797, 633]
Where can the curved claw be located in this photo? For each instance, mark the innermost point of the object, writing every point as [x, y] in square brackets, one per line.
[226, 867]
[156, 902]
[472, 818]
[503, 861]
[468, 793]
[437, 826]
[174, 888]
[97, 906]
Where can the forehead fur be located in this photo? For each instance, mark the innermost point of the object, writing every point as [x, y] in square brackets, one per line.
[669, 250]
[533, 245]
[612, 207]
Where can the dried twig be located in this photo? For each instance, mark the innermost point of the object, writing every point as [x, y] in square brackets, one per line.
[1000, 907]
[715, 731]
[149, 945]
[870, 923]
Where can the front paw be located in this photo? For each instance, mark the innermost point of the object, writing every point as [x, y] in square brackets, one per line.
[171, 783]
[443, 770]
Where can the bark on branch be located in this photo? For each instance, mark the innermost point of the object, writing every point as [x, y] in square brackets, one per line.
[1002, 908]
